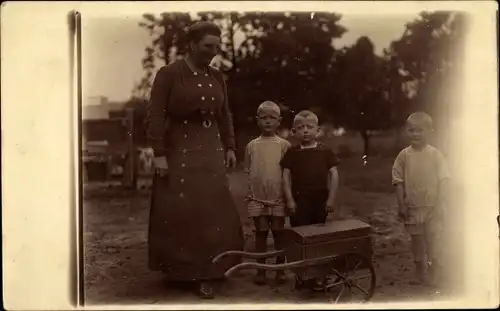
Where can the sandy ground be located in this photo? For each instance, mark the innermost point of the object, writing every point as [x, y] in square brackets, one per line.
[115, 242]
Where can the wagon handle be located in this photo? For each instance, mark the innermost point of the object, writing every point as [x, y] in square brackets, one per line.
[284, 266]
[248, 255]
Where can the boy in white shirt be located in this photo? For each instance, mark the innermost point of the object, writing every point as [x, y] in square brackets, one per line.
[420, 174]
[265, 192]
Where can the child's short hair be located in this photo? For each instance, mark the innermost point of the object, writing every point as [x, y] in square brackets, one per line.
[422, 118]
[269, 105]
[305, 114]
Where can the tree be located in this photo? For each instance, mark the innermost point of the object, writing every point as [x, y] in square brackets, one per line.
[426, 55]
[169, 41]
[168, 38]
[285, 57]
[289, 58]
[362, 93]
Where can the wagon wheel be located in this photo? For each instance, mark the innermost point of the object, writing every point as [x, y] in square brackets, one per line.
[353, 279]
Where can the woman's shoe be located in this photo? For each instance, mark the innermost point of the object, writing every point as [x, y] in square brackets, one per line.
[204, 290]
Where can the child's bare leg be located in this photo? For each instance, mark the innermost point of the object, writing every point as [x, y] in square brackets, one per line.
[419, 256]
[278, 226]
[432, 234]
[261, 233]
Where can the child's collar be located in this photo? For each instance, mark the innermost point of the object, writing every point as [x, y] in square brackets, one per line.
[309, 147]
[421, 148]
[269, 137]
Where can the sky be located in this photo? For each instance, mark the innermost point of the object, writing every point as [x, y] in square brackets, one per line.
[112, 49]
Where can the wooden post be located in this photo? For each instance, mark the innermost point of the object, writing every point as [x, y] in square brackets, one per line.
[130, 171]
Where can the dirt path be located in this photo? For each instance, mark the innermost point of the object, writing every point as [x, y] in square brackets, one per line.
[115, 237]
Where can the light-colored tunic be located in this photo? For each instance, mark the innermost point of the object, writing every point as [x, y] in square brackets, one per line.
[420, 171]
[265, 176]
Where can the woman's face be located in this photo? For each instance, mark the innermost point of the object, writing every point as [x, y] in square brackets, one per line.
[206, 49]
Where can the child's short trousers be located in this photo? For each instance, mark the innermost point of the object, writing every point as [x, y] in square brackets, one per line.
[420, 219]
[266, 223]
[256, 208]
[311, 208]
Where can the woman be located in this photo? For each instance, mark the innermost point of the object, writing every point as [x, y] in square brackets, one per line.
[193, 217]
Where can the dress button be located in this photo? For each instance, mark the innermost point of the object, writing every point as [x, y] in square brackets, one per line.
[183, 165]
[203, 98]
[199, 84]
[213, 98]
[181, 195]
[210, 85]
[185, 121]
[206, 74]
[184, 150]
[185, 136]
[182, 180]
[195, 73]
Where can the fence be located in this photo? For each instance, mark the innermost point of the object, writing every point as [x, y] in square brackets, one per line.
[108, 140]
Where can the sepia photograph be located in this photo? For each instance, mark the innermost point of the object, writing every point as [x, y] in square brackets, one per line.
[268, 157]
[249, 155]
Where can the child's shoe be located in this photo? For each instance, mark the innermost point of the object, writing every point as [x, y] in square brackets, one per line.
[260, 278]
[421, 273]
[435, 275]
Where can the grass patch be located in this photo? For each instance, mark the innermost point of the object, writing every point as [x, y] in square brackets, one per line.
[373, 177]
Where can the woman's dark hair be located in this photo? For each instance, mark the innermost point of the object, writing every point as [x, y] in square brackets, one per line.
[200, 29]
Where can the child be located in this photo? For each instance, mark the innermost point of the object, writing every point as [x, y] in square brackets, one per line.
[265, 199]
[420, 174]
[310, 174]
[310, 177]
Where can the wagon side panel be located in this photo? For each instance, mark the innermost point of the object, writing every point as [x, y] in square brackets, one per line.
[360, 245]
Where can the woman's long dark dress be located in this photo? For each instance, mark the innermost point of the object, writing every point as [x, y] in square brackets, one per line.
[193, 217]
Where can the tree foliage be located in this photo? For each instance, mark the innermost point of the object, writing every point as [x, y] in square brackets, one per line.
[290, 58]
[426, 55]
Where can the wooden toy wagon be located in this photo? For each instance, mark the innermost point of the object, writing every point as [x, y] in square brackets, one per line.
[333, 258]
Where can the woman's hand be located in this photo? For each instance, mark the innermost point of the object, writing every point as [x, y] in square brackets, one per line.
[230, 159]
[161, 166]
[330, 205]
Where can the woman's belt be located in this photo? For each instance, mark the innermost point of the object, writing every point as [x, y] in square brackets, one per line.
[205, 117]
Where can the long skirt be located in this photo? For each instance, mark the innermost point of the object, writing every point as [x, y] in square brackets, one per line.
[193, 217]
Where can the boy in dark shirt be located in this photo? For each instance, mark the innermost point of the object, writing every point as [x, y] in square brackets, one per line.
[310, 175]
